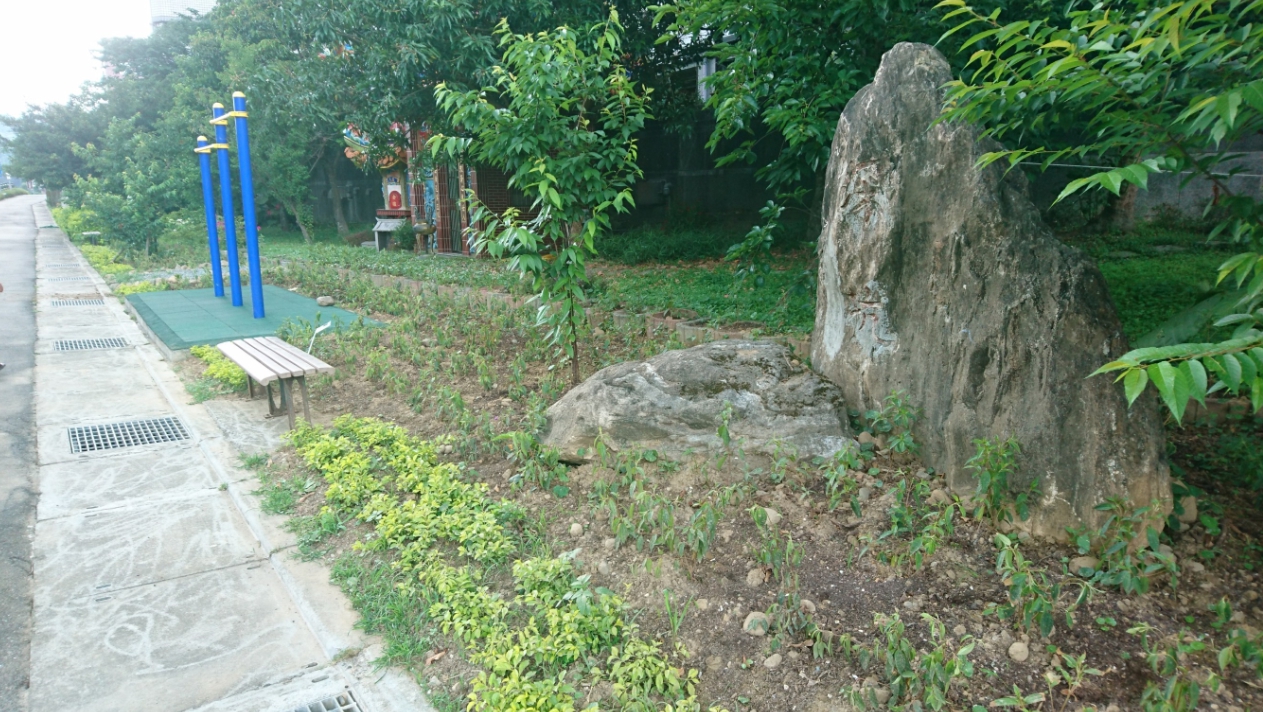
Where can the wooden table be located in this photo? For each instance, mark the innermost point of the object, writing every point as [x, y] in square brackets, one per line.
[267, 359]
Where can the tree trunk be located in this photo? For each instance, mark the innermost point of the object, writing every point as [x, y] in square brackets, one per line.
[298, 219]
[1119, 214]
[284, 218]
[335, 194]
[1123, 209]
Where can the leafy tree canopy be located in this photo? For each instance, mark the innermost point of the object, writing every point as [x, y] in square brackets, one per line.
[1151, 88]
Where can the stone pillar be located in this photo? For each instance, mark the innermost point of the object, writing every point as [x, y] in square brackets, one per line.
[940, 279]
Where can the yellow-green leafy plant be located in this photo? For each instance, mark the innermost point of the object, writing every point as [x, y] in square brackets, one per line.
[104, 259]
[445, 531]
[123, 290]
[219, 367]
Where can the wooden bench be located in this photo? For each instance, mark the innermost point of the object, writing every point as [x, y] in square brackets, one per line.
[266, 359]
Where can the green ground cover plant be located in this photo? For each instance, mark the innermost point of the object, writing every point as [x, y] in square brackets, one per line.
[13, 193]
[443, 533]
[104, 260]
[127, 288]
[220, 368]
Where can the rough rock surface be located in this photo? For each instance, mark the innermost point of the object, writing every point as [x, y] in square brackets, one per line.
[673, 403]
[939, 279]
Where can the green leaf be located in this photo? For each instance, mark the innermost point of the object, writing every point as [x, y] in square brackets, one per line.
[1195, 373]
[1248, 368]
[1165, 378]
[1111, 180]
[1231, 370]
[1134, 384]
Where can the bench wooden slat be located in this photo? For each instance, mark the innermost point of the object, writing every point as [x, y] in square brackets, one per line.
[268, 358]
[283, 353]
[259, 371]
[311, 362]
[279, 367]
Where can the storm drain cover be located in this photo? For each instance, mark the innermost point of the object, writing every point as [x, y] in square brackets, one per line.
[338, 703]
[78, 302]
[66, 279]
[89, 344]
[151, 431]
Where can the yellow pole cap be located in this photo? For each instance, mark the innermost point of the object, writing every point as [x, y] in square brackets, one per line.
[238, 94]
[217, 105]
[201, 138]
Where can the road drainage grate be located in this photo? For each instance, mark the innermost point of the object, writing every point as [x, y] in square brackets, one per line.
[89, 344]
[67, 279]
[78, 302]
[151, 431]
[338, 703]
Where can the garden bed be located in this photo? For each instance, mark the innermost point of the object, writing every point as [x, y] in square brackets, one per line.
[683, 551]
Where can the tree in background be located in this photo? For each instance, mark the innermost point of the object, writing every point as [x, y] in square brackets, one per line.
[41, 147]
[1156, 88]
[784, 70]
[560, 117]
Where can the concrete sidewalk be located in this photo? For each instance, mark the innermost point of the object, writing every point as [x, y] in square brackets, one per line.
[158, 584]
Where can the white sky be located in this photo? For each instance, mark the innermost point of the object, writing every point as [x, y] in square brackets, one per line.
[50, 46]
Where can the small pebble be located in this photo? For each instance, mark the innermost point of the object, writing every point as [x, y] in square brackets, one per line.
[603, 568]
[960, 630]
[1019, 652]
[756, 623]
[703, 604]
[754, 578]
[772, 661]
[610, 543]
[576, 529]
[865, 494]
[773, 516]
[1084, 562]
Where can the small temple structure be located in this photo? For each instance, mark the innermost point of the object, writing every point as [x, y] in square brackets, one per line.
[428, 196]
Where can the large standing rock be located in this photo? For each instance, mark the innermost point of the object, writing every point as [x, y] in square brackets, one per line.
[673, 403]
[939, 279]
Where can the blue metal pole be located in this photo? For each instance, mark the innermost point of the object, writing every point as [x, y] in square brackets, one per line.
[247, 202]
[208, 200]
[225, 190]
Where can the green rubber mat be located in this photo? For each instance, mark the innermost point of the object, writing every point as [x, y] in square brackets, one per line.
[190, 317]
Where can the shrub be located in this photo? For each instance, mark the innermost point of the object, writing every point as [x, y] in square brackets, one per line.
[123, 290]
[104, 259]
[219, 367]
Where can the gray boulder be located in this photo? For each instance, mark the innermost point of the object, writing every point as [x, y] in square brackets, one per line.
[673, 402]
[940, 280]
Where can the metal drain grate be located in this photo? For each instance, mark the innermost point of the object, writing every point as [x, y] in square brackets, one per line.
[62, 264]
[338, 703]
[151, 431]
[89, 344]
[67, 279]
[78, 302]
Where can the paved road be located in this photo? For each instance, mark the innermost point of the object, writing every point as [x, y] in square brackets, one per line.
[17, 444]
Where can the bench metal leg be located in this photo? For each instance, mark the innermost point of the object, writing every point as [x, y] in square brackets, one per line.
[287, 397]
[302, 382]
[250, 385]
[276, 409]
